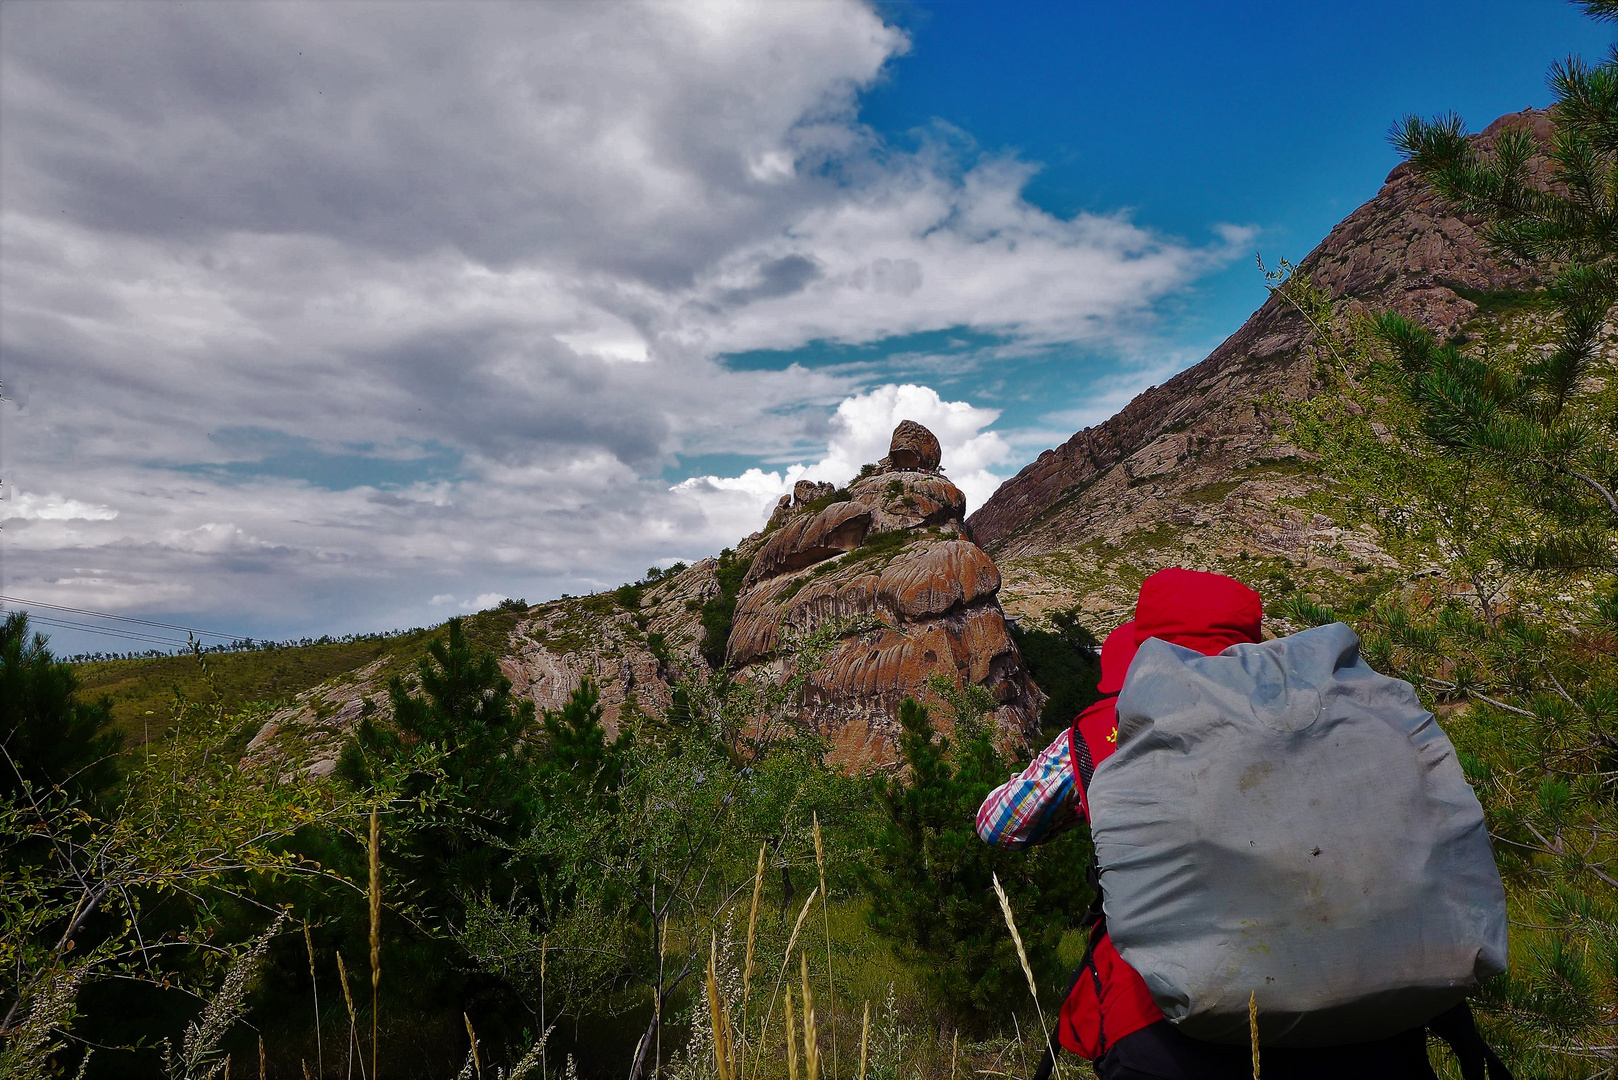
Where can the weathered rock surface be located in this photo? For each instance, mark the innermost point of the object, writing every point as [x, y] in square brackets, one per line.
[1193, 471]
[807, 539]
[896, 593]
[913, 447]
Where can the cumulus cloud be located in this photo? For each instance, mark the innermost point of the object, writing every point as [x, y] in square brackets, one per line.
[470, 272]
[861, 430]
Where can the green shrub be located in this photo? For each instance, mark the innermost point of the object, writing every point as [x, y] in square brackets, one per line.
[1065, 665]
[929, 877]
[720, 610]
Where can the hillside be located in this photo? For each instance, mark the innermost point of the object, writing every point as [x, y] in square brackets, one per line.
[852, 598]
[1193, 473]
[848, 601]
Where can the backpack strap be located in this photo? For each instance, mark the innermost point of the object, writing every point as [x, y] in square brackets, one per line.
[1457, 1028]
[1084, 766]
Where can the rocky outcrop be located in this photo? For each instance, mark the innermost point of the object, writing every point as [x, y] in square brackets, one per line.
[807, 539]
[1193, 469]
[913, 448]
[873, 598]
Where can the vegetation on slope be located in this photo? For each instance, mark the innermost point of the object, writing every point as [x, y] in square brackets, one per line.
[1492, 458]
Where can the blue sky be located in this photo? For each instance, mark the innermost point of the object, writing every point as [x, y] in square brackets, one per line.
[1272, 115]
[335, 318]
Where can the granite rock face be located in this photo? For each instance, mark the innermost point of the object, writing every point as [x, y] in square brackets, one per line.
[913, 448]
[894, 591]
[1194, 469]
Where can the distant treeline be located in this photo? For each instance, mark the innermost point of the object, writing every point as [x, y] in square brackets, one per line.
[246, 645]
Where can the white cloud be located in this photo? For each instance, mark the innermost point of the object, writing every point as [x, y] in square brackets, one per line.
[862, 428]
[28, 506]
[515, 237]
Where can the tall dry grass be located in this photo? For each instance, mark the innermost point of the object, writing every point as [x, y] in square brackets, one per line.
[1022, 958]
[375, 861]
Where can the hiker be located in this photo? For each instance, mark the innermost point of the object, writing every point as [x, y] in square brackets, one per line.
[1110, 1015]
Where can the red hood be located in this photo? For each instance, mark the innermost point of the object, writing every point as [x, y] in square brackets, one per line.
[1205, 612]
[1116, 654]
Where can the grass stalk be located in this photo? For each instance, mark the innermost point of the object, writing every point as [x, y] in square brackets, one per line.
[1022, 957]
[544, 1071]
[376, 929]
[786, 958]
[717, 1012]
[353, 1019]
[261, 1069]
[314, 983]
[792, 1041]
[811, 1035]
[1252, 1027]
[865, 1038]
[825, 918]
[747, 968]
[477, 1060]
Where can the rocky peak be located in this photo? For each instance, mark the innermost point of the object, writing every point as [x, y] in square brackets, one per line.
[1402, 250]
[888, 569]
[913, 449]
[1195, 472]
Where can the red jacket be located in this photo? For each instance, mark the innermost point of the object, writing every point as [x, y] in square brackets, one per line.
[1206, 612]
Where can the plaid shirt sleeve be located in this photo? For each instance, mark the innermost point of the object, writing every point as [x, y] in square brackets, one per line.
[1034, 805]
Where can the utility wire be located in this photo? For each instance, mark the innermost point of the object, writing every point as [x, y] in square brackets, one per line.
[124, 618]
[105, 631]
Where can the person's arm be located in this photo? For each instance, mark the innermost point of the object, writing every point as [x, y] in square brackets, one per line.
[1036, 804]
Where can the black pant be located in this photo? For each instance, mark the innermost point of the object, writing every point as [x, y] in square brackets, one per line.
[1161, 1052]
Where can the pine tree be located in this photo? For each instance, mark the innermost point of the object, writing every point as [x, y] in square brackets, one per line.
[1494, 458]
[50, 736]
[1533, 421]
[579, 762]
[930, 881]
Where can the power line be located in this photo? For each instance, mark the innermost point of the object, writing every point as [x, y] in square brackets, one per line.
[124, 618]
[105, 631]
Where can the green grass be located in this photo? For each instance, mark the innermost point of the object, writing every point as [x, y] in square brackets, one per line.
[142, 691]
[1500, 301]
[815, 506]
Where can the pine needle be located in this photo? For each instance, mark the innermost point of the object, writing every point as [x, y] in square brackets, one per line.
[1022, 956]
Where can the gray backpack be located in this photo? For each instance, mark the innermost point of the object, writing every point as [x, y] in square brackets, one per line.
[1282, 820]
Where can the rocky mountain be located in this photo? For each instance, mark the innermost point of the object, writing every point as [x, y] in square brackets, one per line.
[857, 597]
[884, 573]
[1193, 472]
